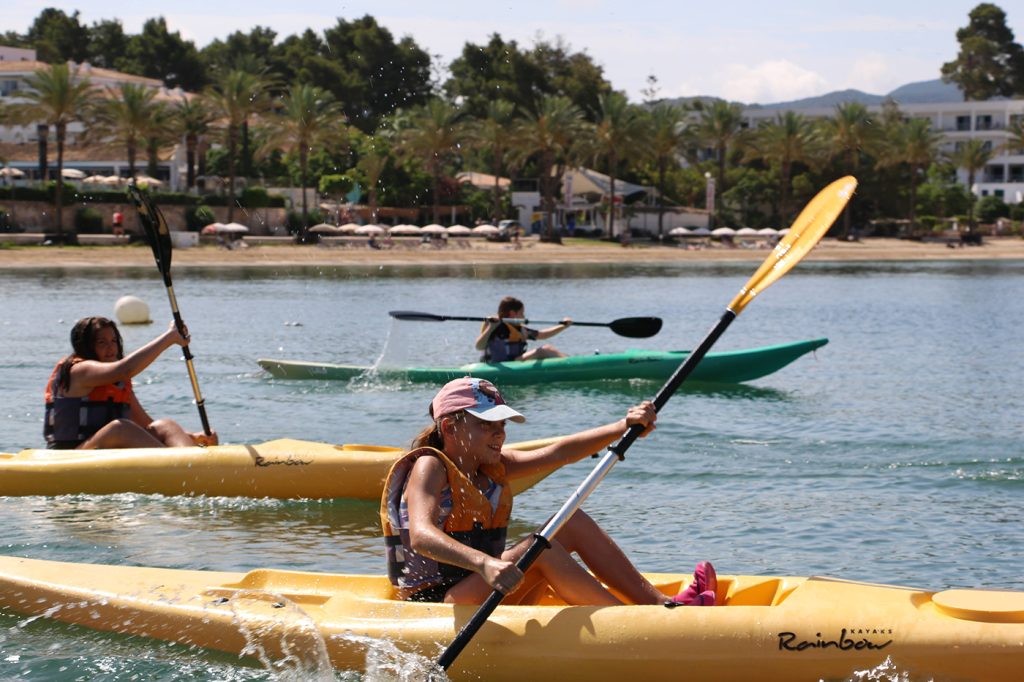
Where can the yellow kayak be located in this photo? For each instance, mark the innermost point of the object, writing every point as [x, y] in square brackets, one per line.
[764, 628]
[283, 468]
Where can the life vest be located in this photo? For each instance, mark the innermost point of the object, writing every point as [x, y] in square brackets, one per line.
[473, 521]
[69, 422]
[507, 342]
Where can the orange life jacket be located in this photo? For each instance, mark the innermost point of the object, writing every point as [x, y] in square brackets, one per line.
[473, 521]
[69, 422]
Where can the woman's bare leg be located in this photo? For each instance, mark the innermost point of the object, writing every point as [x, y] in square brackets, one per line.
[545, 351]
[121, 433]
[170, 433]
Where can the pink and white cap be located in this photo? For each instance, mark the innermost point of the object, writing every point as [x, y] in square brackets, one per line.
[479, 397]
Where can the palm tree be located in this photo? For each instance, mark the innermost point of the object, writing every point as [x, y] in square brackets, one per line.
[310, 117]
[667, 136]
[550, 134]
[374, 157]
[850, 132]
[916, 145]
[235, 98]
[56, 97]
[125, 117]
[620, 128]
[720, 125]
[191, 120]
[787, 140]
[1015, 137]
[972, 155]
[493, 133]
[431, 134]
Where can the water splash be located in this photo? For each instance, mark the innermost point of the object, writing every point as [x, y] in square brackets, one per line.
[287, 643]
[886, 671]
[385, 662]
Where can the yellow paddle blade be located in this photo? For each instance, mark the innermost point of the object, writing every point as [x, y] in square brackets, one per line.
[806, 231]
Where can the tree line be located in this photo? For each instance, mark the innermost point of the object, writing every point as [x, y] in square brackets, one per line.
[353, 105]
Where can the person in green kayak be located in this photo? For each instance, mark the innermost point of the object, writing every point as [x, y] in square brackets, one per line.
[446, 506]
[90, 403]
[502, 340]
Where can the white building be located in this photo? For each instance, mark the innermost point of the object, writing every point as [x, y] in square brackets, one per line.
[19, 145]
[957, 121]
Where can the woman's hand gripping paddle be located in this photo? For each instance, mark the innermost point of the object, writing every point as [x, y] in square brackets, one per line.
[160, 240]
[632, 327]
[809, 227]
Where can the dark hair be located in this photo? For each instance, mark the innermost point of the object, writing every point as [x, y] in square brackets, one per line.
[508, 304]
[431, 437]
[83, 344]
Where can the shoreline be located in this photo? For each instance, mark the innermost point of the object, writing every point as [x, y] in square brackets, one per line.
[533, 253]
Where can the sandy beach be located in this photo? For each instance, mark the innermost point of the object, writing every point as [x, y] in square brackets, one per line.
[285, 254]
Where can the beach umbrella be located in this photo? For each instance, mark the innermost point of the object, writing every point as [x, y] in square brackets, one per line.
[111, 180]
[370, 229]
[484, 229]
[405, 229]
[9, 172]
[768, 231]
[212, 228]
[234, 228]
[348, 228]
[72, 173]
[723, 232]
[700, 232]
[679, 232]
[746, 232]
[94, 179]
[433, 228]
[145, 179]
[323, 228]
[458, 229]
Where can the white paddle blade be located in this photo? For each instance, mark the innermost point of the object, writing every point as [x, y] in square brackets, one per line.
[805, 232]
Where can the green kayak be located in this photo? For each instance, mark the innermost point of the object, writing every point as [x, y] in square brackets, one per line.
[729, 367]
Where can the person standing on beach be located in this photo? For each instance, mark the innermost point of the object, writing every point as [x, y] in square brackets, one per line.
[90, 403]
[118, 227]
[502, 340]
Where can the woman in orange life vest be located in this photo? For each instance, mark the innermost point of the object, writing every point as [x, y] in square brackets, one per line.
[90, 403]
[446, 506]
[502, 341]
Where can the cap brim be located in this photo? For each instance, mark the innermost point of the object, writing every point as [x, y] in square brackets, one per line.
[497, 413]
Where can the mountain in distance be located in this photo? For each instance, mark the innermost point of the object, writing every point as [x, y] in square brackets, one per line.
[922, 92]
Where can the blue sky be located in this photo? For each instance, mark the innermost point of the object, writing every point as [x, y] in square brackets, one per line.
[765, 51]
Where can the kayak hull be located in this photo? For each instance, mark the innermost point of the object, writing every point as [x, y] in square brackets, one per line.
[285, 468]
[765, 628]
[728, 367]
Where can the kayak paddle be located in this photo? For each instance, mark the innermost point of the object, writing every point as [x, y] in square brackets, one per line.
[633, 327]
[808, 228]
[160, 240]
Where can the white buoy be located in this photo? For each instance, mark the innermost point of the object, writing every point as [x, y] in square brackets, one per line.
[131, 310]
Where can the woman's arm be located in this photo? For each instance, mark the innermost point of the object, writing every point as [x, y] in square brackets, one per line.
[489, 326]
[579, 445]
[552, 331]
[88, 374]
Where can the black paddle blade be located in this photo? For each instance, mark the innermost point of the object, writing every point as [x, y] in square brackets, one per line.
[156, 228]
[413, 316]
[636, 327]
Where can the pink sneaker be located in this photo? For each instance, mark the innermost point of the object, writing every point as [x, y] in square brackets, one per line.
[702, 591]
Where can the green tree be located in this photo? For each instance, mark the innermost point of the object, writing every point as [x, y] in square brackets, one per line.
[309, 117]
[191, 120]
[720, 126]
[374, 157]
[914, 145]
[58, 37]
[233, 99]
[549, 134]
[430, 134]
[493, 134]
[108, 44]
[783, 142]
[971, 155]
[620, 128]
[125, 117]
[667, 136]
[257, 46]
[848, 135]
[989, 63]
[159, 53]
[55, 97]
[1015, 137]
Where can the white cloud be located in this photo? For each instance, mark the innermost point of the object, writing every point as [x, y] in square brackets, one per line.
[771, 81]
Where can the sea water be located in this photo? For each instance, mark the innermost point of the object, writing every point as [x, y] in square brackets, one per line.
[893, 454]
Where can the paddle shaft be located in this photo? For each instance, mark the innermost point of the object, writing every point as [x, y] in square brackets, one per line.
[542, 539]
[634, 327]
[180, 324]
